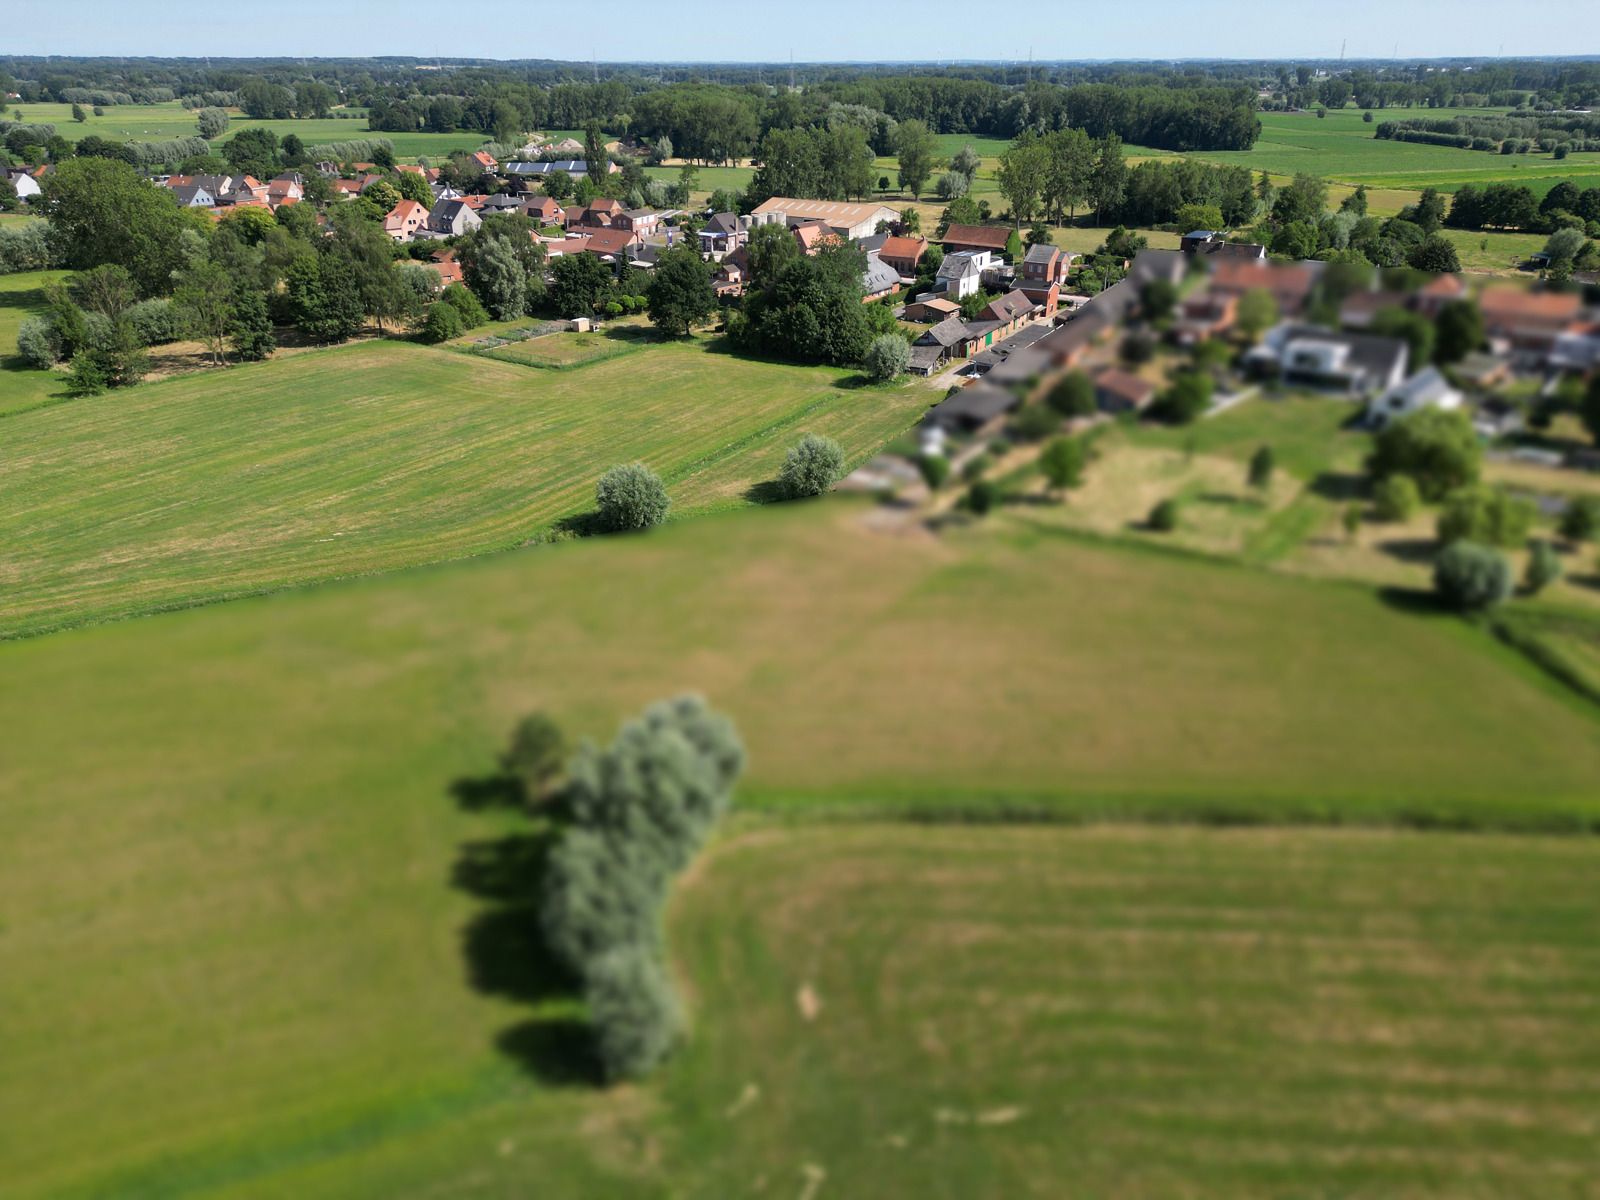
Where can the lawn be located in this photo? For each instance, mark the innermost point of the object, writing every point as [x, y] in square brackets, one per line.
[22, 295]
[576, 349]
[159, 122]
[1144, 1013]
[379, 455]
[1341, 147]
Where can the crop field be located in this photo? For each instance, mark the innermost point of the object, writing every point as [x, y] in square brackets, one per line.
[1340, 147]
[379, 455]
[22, 295]
[158, 122]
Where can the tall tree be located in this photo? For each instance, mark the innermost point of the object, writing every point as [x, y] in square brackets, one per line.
[680, 294]
[1109, 178]
[914, 149]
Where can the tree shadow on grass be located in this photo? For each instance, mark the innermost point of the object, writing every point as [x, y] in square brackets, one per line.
[1416, 601]
[1409, 550]
[768, 491]
[1339, 486]
[503, 946]
[584, 524]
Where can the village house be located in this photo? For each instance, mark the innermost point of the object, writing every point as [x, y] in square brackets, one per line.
[991, 238]
[961, 274]
[1428, 388]
[544, 210]
[1009, 314]
[1357, 364]
[723, 232]
[193, 196]
[977, 409]
[849, 221]
[486, 161]
[449, 268]
[813, 235]
[643, 221]
[1116, 391]
[1203, 316]
[404, 219]
[879, 279]
[284, 189]
[611, 243]
[451, 218]
[1289, 285]
[1526, 324]
[903, 253]
[22, 182]
[931, 308]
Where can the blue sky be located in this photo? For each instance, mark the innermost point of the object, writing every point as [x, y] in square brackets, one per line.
[818, 30]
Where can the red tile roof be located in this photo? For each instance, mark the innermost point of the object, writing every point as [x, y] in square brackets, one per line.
[985, 237]
[904, 248]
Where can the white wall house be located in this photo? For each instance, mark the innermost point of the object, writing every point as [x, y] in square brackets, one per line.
[1426, 389]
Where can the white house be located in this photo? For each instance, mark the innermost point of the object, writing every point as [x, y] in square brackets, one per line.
[850, 221]
[25, 184]
[1428, 388]
[961, 273]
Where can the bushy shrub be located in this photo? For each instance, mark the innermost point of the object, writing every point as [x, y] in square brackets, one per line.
[467, 306]
[1471, 578]
[641, 809]
[155, 322]
[935, 469]
[1483, 514]
[442, 323]
[1164, 516]
[631, 497]
[1544, 567]
[812, 466]
[1438, 449]
[1036, 421]
[37, 343]
[1396, 498]
[1580, 520]
[975, 467]
[1073, 396]
[25, 247]
[982, 496]
[887, 357]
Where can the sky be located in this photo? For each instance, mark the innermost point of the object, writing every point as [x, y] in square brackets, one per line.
[815, 31]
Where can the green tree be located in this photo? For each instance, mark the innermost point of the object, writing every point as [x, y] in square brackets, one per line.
[680, 293]
[812, 466]
[1262, 464]
[212, 122]
[1256, 312]
[1396, 498]
[1157, 299]
[1184, 399]
[982, 496]
[914, 149]
[580, 284]
[251, 328]
[1471, 578]
[966, 163]
[1543, 569]
[1013, 247]
[1439, 450]
[1415, 330]
[1062, 463]
[887, 357]
[1164, 516]
[1200, 216]
[1108, 178]
[1073, 395]
[102, 212]
[640, 811]
[1434, 253]
[535, 756]
[205, 298]
[630, 497]
[78, 114]
[1458, 331]
[935, 469]
[1491, 515]
[1580, 520]
[1022, 175]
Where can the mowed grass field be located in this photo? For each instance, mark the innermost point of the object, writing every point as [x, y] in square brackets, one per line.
[22, 296]
[1140, 1013]
[159, 122]
[236, 963]
[1340, 147]
[379, 455]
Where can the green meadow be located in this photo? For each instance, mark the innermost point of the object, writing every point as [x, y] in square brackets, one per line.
[22, 296]
[254, 947]
[159, 122]
[1340, 147]
[377, 455]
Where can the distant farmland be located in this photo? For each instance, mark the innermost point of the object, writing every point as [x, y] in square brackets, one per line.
[1340, 147]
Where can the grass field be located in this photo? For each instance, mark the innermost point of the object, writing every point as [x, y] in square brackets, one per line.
[159, 122]
[379, 455]
[575, 349]
[234, 958]
[1341, 147]
[1141, 1013]
[22, 295]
